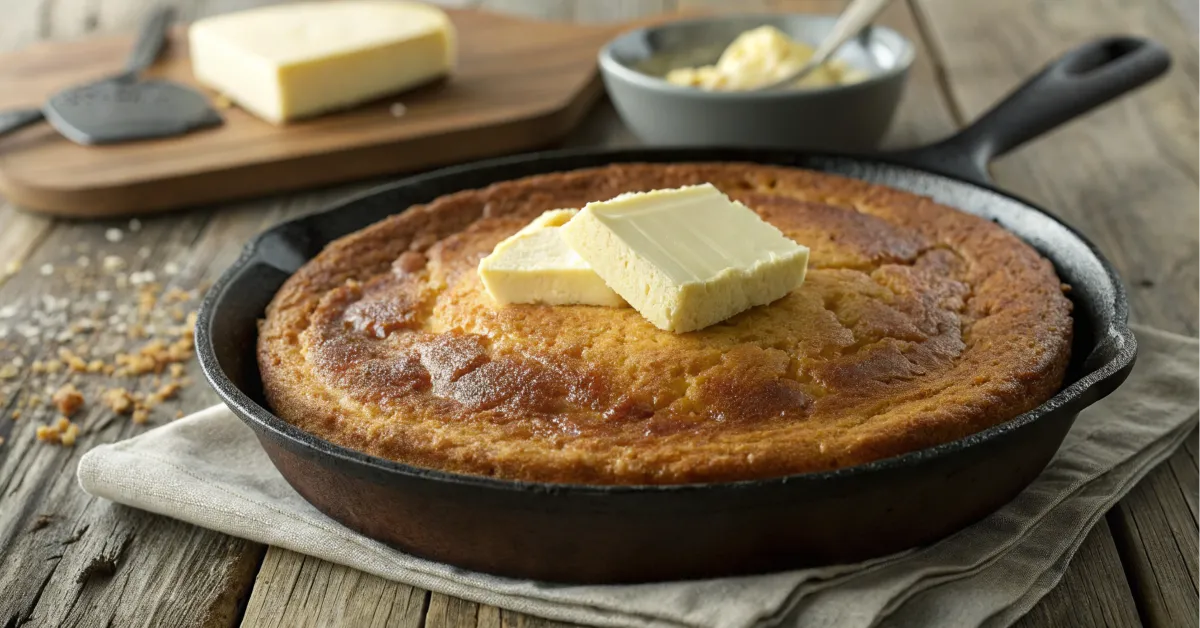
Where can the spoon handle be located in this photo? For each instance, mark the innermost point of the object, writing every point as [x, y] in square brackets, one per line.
[850, 23]
[857, 16]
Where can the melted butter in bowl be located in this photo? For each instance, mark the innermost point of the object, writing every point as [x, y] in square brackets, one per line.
[758, 57]
[689, 83]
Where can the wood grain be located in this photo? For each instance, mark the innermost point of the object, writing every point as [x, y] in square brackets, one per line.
[172, 573]
[176, 573]
[294, 590]
[21, 235]
[1156, 526]
[1096, 575]
[520, 84]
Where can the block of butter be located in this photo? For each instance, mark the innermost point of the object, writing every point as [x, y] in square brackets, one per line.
[535, 265]
[291, 61]
[686, 258]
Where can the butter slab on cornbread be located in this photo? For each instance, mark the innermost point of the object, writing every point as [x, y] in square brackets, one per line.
[292, 61]
[535, 265]
[686, 258]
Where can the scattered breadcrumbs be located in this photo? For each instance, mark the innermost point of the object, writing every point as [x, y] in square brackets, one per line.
[153, 357]
[112, 263]
[165, 392]
[68, 399]
[146, 300]
[62, 431]
[73, 361]
[118, 400]
[86, 331]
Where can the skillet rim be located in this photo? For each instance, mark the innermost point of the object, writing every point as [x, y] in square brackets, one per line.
[247, 409]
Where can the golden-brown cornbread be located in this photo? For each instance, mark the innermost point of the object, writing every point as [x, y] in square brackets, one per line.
[917, 325]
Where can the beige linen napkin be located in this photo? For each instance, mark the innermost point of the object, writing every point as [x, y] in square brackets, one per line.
[207, 469]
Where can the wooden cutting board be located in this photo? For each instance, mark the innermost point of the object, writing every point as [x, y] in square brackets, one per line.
[520, 84]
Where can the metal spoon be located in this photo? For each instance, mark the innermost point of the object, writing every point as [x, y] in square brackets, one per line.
[857, 16]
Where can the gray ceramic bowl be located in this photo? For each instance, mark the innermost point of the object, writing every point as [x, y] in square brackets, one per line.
[844, 118]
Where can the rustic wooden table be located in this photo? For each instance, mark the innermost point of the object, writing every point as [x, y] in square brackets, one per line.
[1126, 176]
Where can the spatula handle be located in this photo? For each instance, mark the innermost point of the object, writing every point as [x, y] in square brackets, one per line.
[152, 37]
[18, 119]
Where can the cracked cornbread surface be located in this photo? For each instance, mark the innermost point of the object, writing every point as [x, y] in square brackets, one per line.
[917, 325]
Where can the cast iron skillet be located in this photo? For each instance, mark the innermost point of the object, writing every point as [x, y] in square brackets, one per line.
[582, 533]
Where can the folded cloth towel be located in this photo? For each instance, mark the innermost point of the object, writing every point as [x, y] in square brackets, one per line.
[207, 469]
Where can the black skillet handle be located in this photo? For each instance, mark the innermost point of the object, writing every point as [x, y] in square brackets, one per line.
[1076, 83]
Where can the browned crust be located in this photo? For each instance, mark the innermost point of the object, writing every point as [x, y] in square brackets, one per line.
[918, 324]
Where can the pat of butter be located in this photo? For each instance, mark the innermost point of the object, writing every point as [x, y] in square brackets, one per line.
[292, 61]
[686, 258]
[535, 265]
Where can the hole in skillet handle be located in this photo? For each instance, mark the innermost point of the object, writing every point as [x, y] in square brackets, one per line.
[1099, 54]
[1077, 82]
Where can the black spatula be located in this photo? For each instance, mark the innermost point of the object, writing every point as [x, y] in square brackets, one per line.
[122, 108]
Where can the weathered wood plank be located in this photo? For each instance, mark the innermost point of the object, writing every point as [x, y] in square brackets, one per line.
[298, 590]
[143, 568]
[22, 233]
[1156, 525]
[24, 22]
[153, 569]
[1127, 177]
[1070, 603]
[208, 571]
[451, 612]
